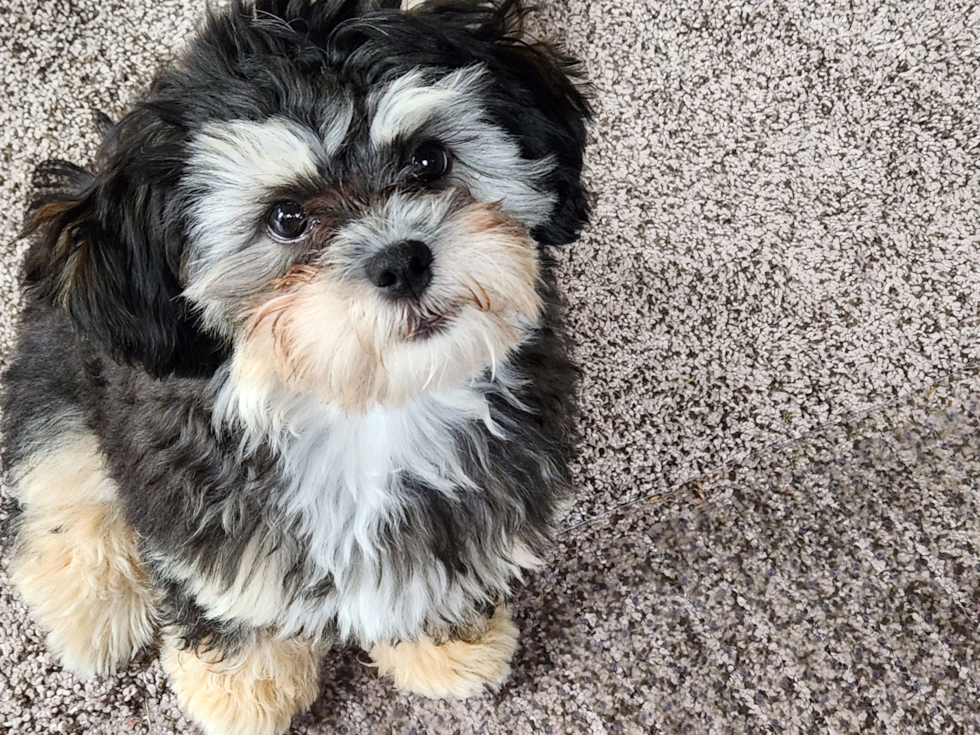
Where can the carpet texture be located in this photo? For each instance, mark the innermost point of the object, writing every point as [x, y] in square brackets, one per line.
[776, 309]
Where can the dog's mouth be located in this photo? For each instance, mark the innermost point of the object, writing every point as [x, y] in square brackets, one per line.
[424, 326]
[431, 317]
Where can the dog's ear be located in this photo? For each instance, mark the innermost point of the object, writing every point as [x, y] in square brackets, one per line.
[542, 99]
[107, 249]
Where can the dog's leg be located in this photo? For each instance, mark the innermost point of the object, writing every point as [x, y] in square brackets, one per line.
[254, 690]
[461, 666]
[76, 561]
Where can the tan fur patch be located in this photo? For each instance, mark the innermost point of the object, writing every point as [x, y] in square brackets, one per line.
[254, 596]
[457, 668]
[256, 692]
[76, 561]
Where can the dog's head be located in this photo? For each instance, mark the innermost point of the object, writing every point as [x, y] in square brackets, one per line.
[345, 198]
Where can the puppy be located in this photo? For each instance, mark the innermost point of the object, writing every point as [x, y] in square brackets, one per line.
[291, 372]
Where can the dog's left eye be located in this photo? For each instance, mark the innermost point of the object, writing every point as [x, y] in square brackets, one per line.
[288, 221]
[430, 162]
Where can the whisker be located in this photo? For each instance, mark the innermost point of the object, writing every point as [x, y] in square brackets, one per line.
[281, 348]
[483, 303]
[380, 346]
[432, 374]
[493, 358]
[357, 332]
[473, 296]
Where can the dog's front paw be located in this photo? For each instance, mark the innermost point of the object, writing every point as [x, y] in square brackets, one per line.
[454, 668]
[255, 692]
[76, 563]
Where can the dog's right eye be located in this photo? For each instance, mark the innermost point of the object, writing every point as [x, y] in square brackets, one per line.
[430, 162]
[288, 222]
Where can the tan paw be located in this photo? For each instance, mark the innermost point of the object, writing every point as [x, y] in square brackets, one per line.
[454, 668]
[257, 692]
[76, 563]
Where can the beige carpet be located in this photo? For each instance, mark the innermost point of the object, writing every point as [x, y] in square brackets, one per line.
[776, 307]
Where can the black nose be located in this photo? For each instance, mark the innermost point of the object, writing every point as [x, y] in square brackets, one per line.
[402, 270]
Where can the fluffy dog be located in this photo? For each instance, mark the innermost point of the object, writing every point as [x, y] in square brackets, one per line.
[291, 370]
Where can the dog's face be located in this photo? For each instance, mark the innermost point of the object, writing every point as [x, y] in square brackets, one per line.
[379, 247]
[347, 200]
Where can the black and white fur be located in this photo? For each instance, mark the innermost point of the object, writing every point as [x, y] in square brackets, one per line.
[267, 493]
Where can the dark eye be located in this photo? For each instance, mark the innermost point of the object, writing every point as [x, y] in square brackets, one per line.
[288, 221]
[430, 162]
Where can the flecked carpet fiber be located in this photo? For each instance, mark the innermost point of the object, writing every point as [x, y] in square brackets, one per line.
[776, 308]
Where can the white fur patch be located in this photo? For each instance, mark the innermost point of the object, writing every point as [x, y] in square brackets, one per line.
[254, 155]
[409, 101]
[346, 481]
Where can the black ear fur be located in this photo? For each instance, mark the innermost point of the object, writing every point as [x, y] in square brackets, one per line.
[542, 101]
[315, 16]
[106, 249]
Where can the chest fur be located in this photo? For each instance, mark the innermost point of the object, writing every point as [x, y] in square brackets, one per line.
[380, 525]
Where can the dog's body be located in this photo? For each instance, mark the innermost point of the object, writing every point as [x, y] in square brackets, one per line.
[291, 371]
[329, 547]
